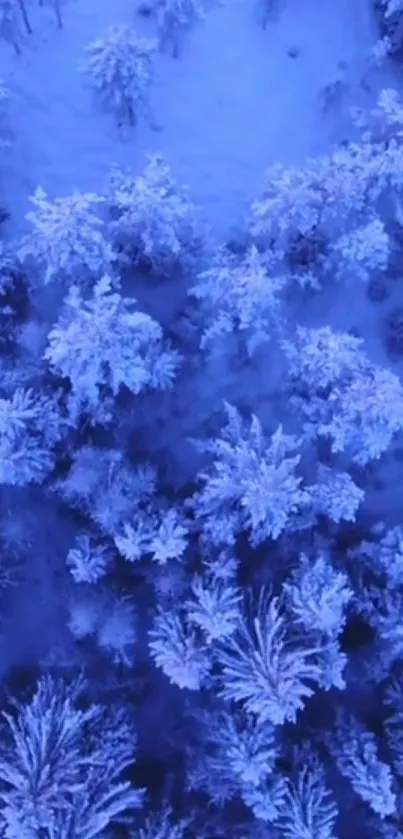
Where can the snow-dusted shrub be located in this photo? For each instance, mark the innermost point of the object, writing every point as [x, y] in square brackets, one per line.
[244, 296]
[160, 534]
[67, 238]
[318, 596]
[61, 772]
[30, 427]
[177, 651]
[106, 487]
[174, 17]
[308, 810]
[251, 485]
[119, 69]
[153, 221]
[88, 561]
[343, 395]
[356, 754]
[264, 669]
[103, 343]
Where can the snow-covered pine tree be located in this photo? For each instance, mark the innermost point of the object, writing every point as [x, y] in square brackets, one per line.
[264, 669]
[252, 483]
[173, 18]
[104, 485]
[67, 238]
[153, 221]
[255, 484]
[61, 771]
[308, 809]
[177, 649]
[103, 343]
[355, 750]
[87, 560]
[343, 396]
[243, 296]
[119, 69]
[30, 427]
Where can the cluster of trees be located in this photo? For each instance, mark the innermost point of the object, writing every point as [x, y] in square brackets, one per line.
[250, 601]
[15, 20]
[120, 63]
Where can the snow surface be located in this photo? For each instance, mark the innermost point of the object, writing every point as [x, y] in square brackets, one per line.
[235, 102]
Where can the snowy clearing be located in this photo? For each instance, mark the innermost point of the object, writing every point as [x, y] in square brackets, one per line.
[238, 99]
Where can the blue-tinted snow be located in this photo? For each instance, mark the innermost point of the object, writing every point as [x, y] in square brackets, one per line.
[234, 103]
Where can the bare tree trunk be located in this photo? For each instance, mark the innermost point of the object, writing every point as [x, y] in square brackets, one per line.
[58, 14]
[175, 45]
[130, 113]
[24, 14]
[10, 32]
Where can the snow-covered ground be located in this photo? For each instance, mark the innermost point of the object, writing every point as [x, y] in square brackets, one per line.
[235, 102]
